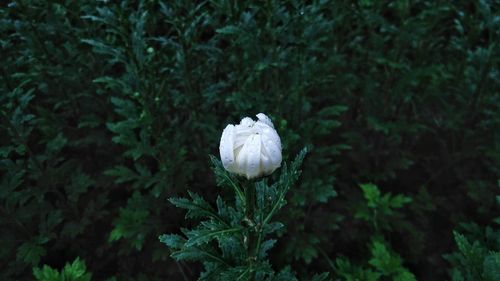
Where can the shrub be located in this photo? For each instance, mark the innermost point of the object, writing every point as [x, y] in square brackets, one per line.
[108, 109]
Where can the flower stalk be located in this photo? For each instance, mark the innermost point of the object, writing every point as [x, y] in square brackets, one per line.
[251, 229]
[231, 240]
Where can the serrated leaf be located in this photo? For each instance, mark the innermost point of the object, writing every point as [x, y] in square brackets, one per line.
[172, 240]
[76, 271]
[266, 246]
[404, 276]
[46, 274]
[122, 174]
[383, 260]
[399, 201]
[228, 30]
[203, 236]
[491, 267]
[57, 143]
[31, 251]
[371, 193]
[197, 207]
[320, 277]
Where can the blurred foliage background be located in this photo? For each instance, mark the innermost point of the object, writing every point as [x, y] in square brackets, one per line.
[108, 108]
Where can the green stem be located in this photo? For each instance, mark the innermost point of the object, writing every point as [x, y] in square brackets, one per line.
[250, 201]
[249, 218]
[259, 241]
[238, 191]
[275, 207]
[267, 219]
[262, 223]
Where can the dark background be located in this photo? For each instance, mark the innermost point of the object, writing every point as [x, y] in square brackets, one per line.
[108, 109]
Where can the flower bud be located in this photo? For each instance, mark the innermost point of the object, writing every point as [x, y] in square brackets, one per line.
[251, 148]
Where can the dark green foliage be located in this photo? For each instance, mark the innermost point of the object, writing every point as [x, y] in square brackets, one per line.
[109, 108]
[383, 265]
[232, 239]
[475, 261]
[381, 211]
[75, 271]
[480, 259]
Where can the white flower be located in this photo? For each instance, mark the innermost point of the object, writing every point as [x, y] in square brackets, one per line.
[252, 148]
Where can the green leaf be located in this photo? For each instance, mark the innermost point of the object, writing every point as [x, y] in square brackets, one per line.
[57, 143]
[332, 110]
[46, 273]
[285, 274]
[491, 267]
[122, 174]
[371, 194]
[80, 183]
[197, 207]
[320, 277]
[179, 252]
[287, 179]
[404, 276]
[382, 259]
[266, 246]
[172, 240]
[32, 250]
[130, 225]
[225, 179]
[202, 235]
[473, 253]
[229, 30]
[399, 201]
[76, 271]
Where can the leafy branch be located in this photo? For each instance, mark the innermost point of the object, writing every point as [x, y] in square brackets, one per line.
[238, 228]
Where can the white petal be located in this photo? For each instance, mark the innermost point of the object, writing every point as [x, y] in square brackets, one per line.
[266, 164]
[273, 150]
[236, 153]
[240, 140]
[249, 157]
[253, 158]
[270, 133]
[260, 127]
[251, 149]
[226, 148]
[242, 134]
[247, 122]
[264, 119]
